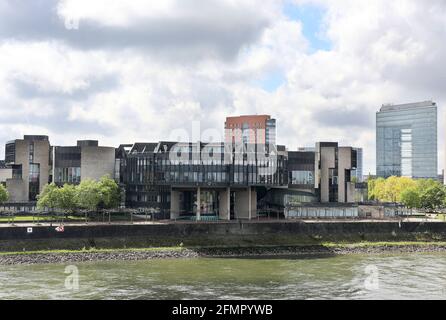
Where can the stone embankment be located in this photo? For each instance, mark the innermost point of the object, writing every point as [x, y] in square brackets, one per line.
[138, 255]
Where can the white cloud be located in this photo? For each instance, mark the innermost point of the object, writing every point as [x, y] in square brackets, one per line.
[210, 63]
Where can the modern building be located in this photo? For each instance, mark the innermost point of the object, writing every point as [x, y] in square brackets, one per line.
[251, 129]
[31, 163]
[198, 180]
[333, 172]
[184, 180]
[406, 140]
[86, 160]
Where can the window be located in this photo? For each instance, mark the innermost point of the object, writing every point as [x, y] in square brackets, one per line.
[68, 175]
[302, 177]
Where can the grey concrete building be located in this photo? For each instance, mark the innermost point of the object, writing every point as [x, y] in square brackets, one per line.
[333, 168]
[29, 159]
[406, 140]
[86, 160]
[5, 172]
[31, 163]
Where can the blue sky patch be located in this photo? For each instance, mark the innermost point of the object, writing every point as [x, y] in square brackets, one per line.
[272, 81]
[311, 17]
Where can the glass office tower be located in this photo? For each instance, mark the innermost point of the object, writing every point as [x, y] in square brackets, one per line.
[406, 140]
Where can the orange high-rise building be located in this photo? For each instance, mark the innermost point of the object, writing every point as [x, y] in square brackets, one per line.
[250, 129]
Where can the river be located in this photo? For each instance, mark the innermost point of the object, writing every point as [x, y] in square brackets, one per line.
[408, 276]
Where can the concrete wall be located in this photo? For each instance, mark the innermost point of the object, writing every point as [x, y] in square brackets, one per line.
[344, 163]
[42, 157]
[18, 190]
[327, 161]
[97, 162]
[229, 233]
[5, 174]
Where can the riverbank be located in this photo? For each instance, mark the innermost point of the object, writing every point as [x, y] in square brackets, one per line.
[329, 249]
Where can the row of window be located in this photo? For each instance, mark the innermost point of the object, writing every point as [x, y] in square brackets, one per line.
[67, 175]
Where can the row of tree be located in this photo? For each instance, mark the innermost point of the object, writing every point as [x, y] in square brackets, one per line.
[88, 195]
[414, 194]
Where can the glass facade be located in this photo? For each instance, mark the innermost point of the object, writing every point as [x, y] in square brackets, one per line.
[358, 173]
[145, 173]
[302, 177]
[406, 141]
[34, 180]
[10, 152]
[67, 175]
[67, 166]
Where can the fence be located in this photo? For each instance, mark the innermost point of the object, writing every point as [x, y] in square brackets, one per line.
[18, 215]
[321, 212]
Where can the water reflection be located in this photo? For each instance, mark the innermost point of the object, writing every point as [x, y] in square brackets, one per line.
[410, 276]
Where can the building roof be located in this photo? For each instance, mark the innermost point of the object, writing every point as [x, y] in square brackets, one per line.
[407, 106]
[143, 147]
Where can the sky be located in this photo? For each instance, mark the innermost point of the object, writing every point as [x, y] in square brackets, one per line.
[137, 71]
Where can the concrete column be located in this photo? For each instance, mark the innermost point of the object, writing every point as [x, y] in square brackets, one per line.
[225, 204]
[253, 209]
[198, 204]
[243, 204]
[249, 203]
[174, 204]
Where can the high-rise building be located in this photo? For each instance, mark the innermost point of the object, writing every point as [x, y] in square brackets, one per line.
[253, 129]
[406, 140]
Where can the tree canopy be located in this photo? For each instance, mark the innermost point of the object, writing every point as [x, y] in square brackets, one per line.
[421, 194]
[88, 195]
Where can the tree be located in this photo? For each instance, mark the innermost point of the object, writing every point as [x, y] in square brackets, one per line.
[110, 192]
[4, 195]
[67, 198]
[394, 186]
[433, 197]
[379, 189]
[410, 197]
[88, 195]
[49, 196]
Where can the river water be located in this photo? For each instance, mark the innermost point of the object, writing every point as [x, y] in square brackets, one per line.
[408, 276]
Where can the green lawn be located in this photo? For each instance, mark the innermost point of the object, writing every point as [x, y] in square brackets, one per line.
[4, 219]
[91, 218]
